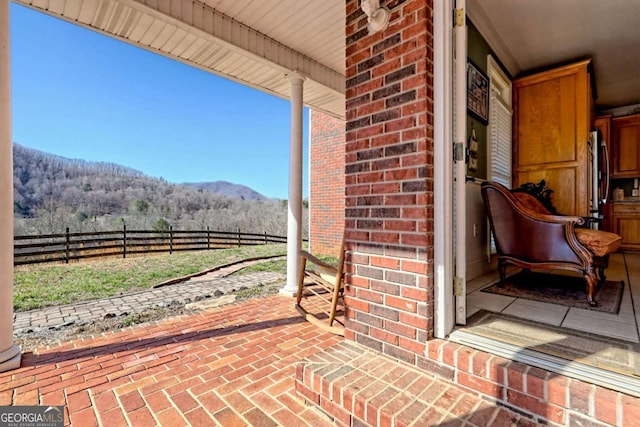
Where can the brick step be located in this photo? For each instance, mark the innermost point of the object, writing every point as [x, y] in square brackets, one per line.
[355, 386]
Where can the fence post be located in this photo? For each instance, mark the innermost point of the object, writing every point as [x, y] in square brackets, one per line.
[239, 238]
[124, 240]
[66, 247]
[265, 238]
[208, 238]
[170, 239]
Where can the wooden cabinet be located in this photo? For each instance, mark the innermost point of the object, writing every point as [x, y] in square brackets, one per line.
[626, 223]
[626, 146]
[552, 120]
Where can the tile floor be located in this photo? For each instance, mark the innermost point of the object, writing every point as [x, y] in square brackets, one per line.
[624, 325]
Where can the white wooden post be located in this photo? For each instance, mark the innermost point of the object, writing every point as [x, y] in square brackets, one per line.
[460, 136]
[10, 354]
[294, 225]
[443, 168]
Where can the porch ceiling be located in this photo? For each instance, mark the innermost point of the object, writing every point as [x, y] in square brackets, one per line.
[258, 42]
[254, 43]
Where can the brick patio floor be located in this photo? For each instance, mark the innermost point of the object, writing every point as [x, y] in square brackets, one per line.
[230, 366]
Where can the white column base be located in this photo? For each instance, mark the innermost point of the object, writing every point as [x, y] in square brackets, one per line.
[289, 291]
[10, 358]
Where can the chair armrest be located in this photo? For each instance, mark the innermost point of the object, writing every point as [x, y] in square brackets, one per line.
[546, 237]
[317, 261]
[560, 219]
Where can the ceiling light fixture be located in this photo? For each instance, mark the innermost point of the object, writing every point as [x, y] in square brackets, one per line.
[377, 17]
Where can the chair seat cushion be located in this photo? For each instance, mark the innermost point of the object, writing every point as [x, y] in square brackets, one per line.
[600, 243]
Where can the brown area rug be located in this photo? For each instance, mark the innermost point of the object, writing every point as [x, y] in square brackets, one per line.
[560, 289]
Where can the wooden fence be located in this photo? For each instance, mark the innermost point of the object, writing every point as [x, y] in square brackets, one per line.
[75, 246]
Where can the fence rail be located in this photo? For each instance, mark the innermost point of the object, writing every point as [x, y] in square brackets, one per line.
[75, 246]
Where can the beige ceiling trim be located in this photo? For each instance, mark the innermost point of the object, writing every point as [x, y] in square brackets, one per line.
[190, 15]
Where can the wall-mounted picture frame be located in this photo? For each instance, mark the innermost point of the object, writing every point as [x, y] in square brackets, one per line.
[477, 93]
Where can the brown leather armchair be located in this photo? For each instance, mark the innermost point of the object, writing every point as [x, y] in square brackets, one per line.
[528, 236]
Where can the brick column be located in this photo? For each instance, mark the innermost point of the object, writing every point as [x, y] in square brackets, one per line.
[389, 185]
[9, 352]
[326, 193]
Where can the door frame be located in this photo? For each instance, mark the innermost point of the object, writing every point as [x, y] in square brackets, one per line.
[448, 309]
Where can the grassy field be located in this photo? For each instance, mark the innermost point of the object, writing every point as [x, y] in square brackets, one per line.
[45, 285]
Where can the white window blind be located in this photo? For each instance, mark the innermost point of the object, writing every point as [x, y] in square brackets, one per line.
[499, 143]
[499, 168]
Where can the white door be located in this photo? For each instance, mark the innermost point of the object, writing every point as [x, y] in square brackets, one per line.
[450, 100]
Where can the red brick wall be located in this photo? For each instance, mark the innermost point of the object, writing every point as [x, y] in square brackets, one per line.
[389, 198]
[389, 228]
[326, 182]
[487, 382]
[553, 397]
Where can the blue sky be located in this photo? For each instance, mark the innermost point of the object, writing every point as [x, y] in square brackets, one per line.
[79, 94]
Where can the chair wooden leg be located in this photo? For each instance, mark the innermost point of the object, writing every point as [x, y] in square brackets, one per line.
[502, 270]
[590, 277]
[303, 265]
[601, 276]
[334, 303]
[601, 264]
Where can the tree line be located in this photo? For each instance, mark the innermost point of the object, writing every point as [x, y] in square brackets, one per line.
[52, 193]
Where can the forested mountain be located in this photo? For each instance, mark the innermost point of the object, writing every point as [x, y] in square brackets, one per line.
[225, 188]
[53, 192]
